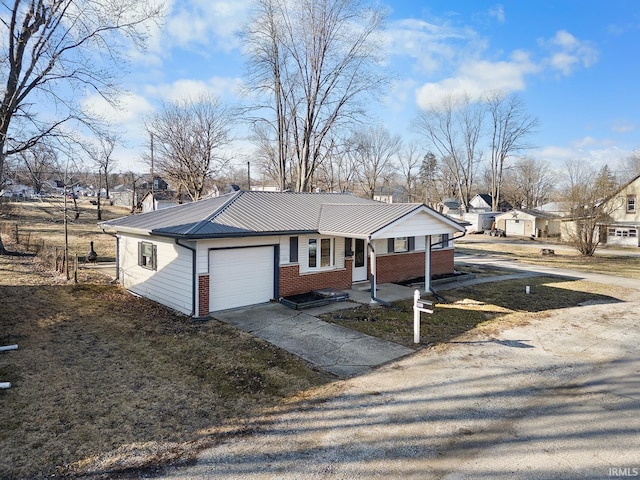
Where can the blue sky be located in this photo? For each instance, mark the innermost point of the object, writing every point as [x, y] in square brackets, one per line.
[574, 63]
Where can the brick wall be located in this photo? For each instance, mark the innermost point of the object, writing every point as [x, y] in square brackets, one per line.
[391, 268]
[405, 266]
[203, 295]
[292, 283]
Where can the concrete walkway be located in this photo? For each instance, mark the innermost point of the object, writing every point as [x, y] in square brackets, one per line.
[335, 349]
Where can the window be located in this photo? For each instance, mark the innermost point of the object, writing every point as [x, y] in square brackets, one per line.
[631, 203]
[440, 241]
[147, 255]
[293, 249]
[401, 244]
[321, 253]
[313, 253]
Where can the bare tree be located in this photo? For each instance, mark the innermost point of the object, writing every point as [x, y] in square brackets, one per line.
[315, 62]
[630, 166]
[39, 163]
[529, 182]
[585, 192]
[510, 127]
[373, 151]
[410, 163]
[189, 137]
[55, 50]
[102, 157]
[453, 128]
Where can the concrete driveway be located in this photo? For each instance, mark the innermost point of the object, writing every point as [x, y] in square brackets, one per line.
[558, 397]
[332, 348]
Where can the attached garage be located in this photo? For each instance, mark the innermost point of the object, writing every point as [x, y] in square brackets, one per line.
[241, 276]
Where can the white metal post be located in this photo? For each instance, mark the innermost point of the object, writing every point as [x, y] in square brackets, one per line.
[416, 317]
[427, 263]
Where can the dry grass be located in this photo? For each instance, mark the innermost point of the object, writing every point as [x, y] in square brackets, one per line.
[529, 252]
[484, 305]
[27, 225]
[104, 383]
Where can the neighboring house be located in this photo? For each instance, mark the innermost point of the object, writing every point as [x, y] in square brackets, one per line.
[245, 248]
[559, 209]
[162, 199]
[623, 225]
[450, 206]
[528, 222]
[481, 202]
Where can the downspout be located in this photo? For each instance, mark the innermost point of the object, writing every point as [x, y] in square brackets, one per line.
[194, 285]
[117, 279]
[436, 294]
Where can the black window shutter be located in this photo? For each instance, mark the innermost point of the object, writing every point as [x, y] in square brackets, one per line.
[293, 249]
[411, 244]
[390, 245]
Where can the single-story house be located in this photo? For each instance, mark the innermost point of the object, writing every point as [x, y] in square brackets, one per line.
[528, 222]
[245, 248]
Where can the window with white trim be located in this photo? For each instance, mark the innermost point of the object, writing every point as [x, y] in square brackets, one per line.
[322, 253]
[631, 204]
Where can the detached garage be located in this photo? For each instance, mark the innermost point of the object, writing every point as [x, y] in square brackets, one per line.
[241, 276]
[527, 222]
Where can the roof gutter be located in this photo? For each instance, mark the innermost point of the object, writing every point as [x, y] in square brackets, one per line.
[193, 276]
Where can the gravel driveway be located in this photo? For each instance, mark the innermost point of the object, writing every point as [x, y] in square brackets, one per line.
[558, 397]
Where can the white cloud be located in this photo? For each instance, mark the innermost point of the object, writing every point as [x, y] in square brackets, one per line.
[479, 77]
[431, 46]
[211, 23]
[187, 89]
[497, 12]
[623, 127]
[130, 109]
[566, 52]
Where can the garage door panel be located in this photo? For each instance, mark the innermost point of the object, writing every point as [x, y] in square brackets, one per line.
[241, 276]
[514, 227]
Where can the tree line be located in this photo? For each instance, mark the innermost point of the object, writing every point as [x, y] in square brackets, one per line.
[313, 71]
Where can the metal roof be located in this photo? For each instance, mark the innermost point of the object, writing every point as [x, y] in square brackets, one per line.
[262, 213]
[361, 220]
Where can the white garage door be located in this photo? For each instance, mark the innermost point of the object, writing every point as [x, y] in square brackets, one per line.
[240, 277]
[514, 227]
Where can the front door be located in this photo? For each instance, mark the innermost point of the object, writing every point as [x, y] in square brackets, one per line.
[359, 260]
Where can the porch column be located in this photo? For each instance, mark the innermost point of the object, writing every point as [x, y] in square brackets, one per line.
[372, 259]
[427, 264]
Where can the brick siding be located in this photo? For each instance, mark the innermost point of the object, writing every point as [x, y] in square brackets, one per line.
[292, 283]
[391, 268]
[203, 295]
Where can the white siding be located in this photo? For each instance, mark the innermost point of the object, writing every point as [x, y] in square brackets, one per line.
[416, 225]
[171, 284]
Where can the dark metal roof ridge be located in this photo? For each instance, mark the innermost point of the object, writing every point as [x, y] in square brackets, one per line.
[207, 219]
[205, 236]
